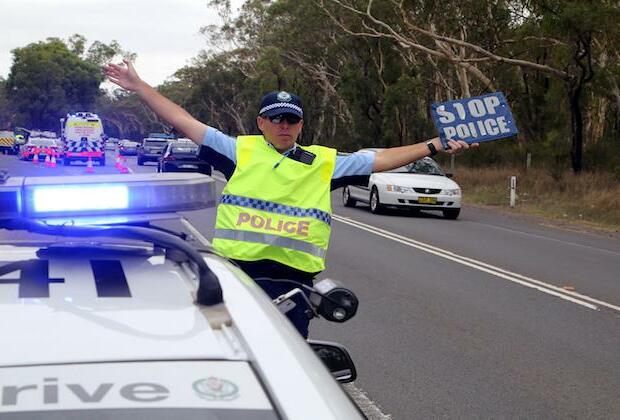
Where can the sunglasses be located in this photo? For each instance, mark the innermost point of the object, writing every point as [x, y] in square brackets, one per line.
[289, 118]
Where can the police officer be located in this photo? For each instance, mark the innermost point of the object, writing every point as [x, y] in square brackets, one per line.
[274, 216]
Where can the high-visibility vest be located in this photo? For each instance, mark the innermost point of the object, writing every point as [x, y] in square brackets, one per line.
[276, 208]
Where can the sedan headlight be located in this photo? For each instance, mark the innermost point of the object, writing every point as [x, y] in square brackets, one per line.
[397, 188]
[452, 191]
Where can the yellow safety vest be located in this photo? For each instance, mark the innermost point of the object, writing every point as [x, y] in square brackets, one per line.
[276, 209]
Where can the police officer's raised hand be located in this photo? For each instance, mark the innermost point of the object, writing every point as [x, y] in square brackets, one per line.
[456, 146]
[123, 75]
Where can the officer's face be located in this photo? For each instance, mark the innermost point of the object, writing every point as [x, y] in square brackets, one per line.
[281, 135]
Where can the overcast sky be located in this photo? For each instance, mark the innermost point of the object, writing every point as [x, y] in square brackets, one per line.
[164, 33]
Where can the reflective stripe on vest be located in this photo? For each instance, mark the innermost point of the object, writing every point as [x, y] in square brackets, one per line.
[267, 239]
[271, 207]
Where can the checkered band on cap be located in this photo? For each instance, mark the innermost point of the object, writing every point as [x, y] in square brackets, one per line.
[281, 105]
[271, 207]
[275, 103]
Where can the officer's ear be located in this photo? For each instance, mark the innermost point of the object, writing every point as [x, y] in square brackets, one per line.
[260, 123]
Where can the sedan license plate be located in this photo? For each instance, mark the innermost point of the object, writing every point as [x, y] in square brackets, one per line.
[427, 200]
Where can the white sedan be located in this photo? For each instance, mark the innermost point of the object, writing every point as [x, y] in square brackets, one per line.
[421, 185]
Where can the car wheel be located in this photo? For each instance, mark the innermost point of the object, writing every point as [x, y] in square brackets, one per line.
[140, 162]
[66, 162]
[375, 204]
[102, 162]
[451, 213]
[346, 198]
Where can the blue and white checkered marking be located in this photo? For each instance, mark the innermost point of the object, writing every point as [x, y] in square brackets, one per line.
[76, 146]
[271, 207]
[281, 105]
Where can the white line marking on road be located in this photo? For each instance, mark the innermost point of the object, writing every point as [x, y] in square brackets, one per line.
[546, 238]
[368, 407]
[550, 289]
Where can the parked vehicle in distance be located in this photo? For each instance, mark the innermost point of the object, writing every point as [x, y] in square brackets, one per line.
[127, 147]
[420, 185]
[182, 156]
[151, 149]
[111, 143]
[8, 145]
[83, 138]
[41, 147]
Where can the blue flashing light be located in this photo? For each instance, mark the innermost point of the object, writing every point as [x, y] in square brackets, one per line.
[80, 198]
[105, 196]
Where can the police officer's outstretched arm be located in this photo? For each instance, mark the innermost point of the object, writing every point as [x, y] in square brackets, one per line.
[396, 157]
[126, 77]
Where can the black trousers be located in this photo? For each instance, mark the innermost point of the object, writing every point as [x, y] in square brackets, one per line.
[267, 272]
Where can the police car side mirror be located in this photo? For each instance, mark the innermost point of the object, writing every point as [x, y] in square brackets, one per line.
[449, 175]
[336, 358]
[334, 302]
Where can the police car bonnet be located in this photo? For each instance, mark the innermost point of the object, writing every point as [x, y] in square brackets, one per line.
[275, 103]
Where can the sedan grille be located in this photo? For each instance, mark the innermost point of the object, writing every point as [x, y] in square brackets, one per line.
[427, 190]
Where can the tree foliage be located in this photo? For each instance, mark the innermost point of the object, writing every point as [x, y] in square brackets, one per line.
[52, 77]
[6, 112]
[47, 80]
[368, 70]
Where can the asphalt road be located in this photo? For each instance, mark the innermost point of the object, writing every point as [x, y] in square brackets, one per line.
[488, 316]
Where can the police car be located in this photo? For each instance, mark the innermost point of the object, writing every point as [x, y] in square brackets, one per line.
[82, 135]
[114, 306]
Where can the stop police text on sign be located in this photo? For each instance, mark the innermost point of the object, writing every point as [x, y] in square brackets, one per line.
[476, 119]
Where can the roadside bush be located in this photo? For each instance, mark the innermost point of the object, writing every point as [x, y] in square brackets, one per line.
[590, 197]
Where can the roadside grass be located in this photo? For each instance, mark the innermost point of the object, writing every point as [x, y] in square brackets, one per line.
[589, 199]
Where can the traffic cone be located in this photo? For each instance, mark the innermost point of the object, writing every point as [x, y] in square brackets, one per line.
[118, 163]
[53, 161]
[89, 166]
[35, 158]
[123, 165]
[47, 160]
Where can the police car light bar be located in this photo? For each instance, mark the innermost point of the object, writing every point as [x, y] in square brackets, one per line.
[109, 195]
[80, 198]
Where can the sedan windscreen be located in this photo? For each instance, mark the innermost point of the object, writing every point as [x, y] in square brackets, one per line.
[151, 143]
[422, 166]
[184, 150]
[42, 142]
